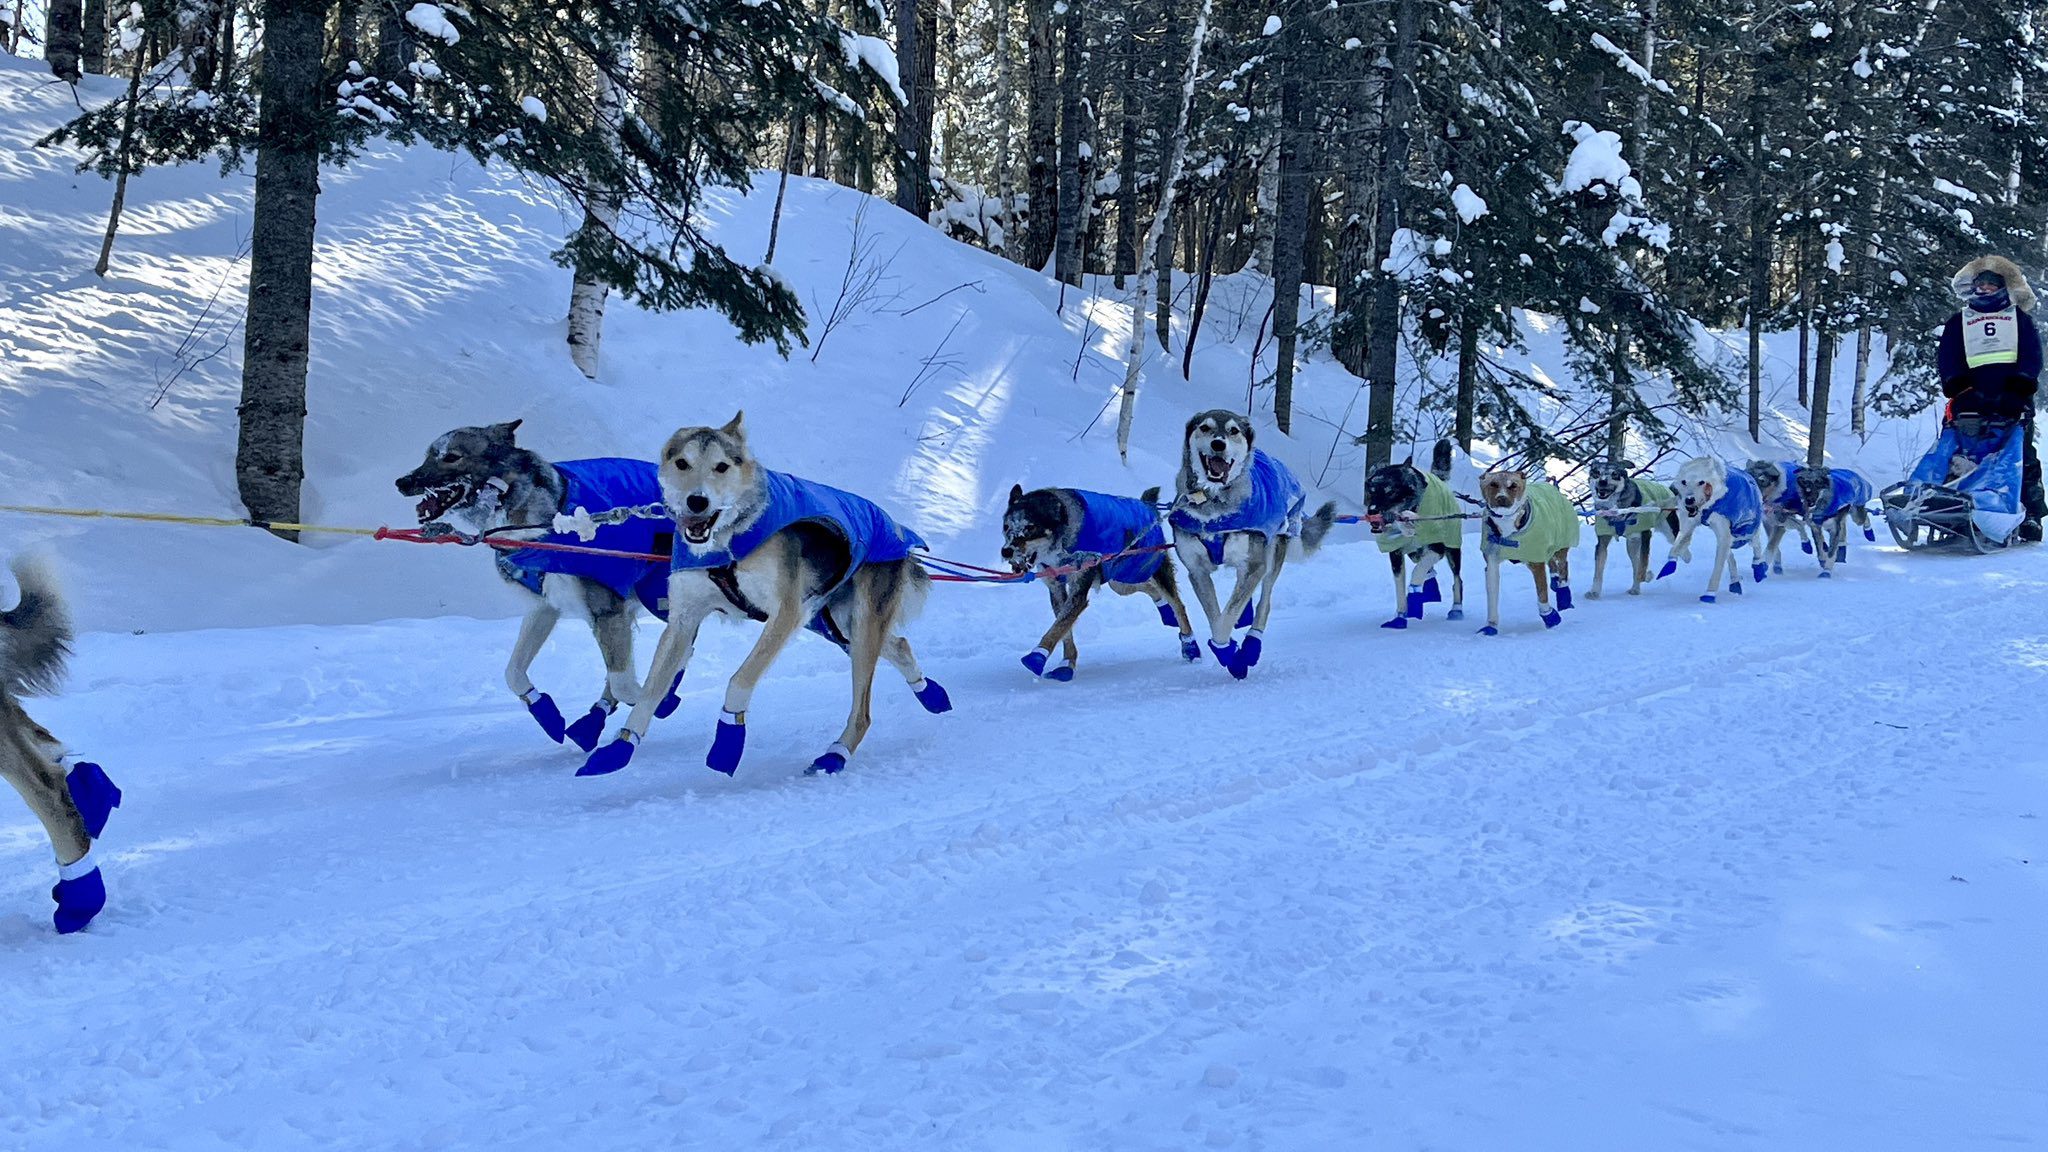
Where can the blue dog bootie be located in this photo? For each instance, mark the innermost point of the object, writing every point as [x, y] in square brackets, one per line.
[729, 744]
[1551, 617]
[669, 700]
[1431, 594]
[1806, 546]
[932, 695]
[1226, 654]
[1489, 630]
[80, 893]
[1062, 673]
[1166, 615]
[589, 727]
[1841, 553]
[1455, 614]
[93, 795]
[1707, 598]
[1759, 571]
[611, 757]
[1035, 659]
[1563, 593]
[832, 763]
[1670, 566]
[1244, 618]
[1248, 654]
[542, 708]
[1190, 651]
[1416, 599]
[1400, 621]
[1735, 587]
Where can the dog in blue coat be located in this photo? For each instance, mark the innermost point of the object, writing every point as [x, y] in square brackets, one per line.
[72, 802]
[478, 480]
[1061, 528]
[792, 554]
[1832, 498]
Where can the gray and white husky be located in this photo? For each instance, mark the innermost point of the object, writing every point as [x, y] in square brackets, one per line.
[1226, 514]
[1614, 485]
[1043, 529]
[478, 480]
[72, 804]
[794, 578]
[1779, 514]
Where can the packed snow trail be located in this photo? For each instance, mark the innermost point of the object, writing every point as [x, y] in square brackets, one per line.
[1766, 874]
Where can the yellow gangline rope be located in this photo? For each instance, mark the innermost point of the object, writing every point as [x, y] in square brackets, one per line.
[174, 518]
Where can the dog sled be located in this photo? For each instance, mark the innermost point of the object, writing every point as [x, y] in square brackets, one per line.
[1966, 490]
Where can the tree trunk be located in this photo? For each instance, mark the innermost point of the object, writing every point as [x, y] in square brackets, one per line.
[1823, 383]
[1647, 57]
[1162, 287]
[1042, 186]
[124, 160]
[913, 119]
[1468, 376]
[1805, 343]
[1155, 236]
[1618, 394]
[1004, 98]
[1759, 256]
[1072, 218]
[1290, 233]
[1386, 300]
[587, 293]
[199, 40]
[270, 451]
[92, 42]
[394, 47]
[63, 31]
[348, 33]
[1126, 258]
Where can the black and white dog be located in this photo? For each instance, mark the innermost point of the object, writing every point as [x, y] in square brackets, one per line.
[1416, 521]
[1615, 486]
[1063, 528]
[1783, 510]
[1236, 507]
[477, 480]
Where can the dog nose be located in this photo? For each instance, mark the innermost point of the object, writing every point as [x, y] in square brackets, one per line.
[1216, 445]
[1008, 552]
[696, 502]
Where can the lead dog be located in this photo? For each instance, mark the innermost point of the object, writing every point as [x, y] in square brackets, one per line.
[1527, 523]
[1415, 518]
[1615, 486]
[1731, 506]
[1236, 507]
[35, 640]
[792, 554]
[1061, 528]
[478, 480]
[1832, 497]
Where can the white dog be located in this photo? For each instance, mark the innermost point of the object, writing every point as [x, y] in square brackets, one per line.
[1730, 504]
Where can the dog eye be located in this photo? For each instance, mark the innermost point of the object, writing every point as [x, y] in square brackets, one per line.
[451, 457]
[721, 468]
[682, 465]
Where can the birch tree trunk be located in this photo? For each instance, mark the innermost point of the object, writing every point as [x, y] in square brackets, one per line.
[1126, 257]
[270, 449]
[1155, 235]
[587, 294]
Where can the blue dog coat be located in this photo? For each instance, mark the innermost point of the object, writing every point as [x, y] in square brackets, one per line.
[598, 486]
[1742, 504]
[1110, 524]
[871, 537]
[1789, 499]
[1272, 508]
[1849, 491]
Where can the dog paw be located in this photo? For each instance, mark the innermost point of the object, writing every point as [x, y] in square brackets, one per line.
[1248, 655]
[1563, 592]
[1670, 567]
[1166, 615]
[1707, 598]
[542, 709]
[1396, 622]
[1870, 534]
[1842, 554]
[1455, 614]
[728, 745]
[586, 731]
[93, 795]
[1415, 602]
[1777, 569]
[832, 763]
[1489, 630]
[1759, 571]
[610, 758]
[1806, 546]
[1431, 594]
[932, 695]
[1225, 653]
[670, 701]
[1244, 618]
[1035, 661]
[1189, 650]
[1825, 575]
[1551, 617]
[1593, 595]
[79, 898]
[1063, 674]
[1735, 587]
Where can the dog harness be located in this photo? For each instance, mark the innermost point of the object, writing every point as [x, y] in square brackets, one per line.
[1273, 507]
[1743, 505]
[1436, 521]
[1552, 527]
[598, 486]
[1849, 490]
[870, 536]
[1649, 494]
[1111, 524]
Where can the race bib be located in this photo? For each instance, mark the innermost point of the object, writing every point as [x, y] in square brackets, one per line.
[1991, 337]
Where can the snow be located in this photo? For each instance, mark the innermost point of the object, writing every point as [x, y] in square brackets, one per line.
[432, 20]
[1470, 205]
[1628, 63]
[1595, 159]
[1836, 256]
[879, 56]
[535, 107]
[1272, 26]
[1820, 31]
[1735, 877]
[1947, 188]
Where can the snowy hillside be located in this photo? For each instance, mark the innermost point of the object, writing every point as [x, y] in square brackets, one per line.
[1761, 876]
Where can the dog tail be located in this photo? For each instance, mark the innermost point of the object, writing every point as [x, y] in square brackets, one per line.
[1316, 527]
[1440, 460]
[35, 635]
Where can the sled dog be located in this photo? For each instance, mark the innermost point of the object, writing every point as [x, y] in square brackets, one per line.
[1784, 511]
[755, 544]
[1059, 528]
[1236, 507]
[1531, 523]
[1614, 485]
[73, 804]
[1415, 519]
[1731, 506]
[1832, 497]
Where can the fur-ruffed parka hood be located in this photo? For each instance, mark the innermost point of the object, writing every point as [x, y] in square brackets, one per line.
[2015, 280]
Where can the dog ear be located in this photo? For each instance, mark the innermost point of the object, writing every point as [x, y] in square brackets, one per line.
[504, 431]
[737, 426]
[1016, 494]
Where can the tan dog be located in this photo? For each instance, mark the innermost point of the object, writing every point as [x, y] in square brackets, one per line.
[1527, 523]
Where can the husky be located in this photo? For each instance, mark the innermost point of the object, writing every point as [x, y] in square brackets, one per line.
[1059, 528]
[1527, 523]
[1784, 511]
[792, 554]
[1615, 485]
[1831, 498]
[477, 480]
[73, 804]
[1415, 518]
[1731, 506]
[1234, 506]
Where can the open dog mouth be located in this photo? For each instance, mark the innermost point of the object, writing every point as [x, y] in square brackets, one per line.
[696, 527]
[442, 499]
[1215, 469]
